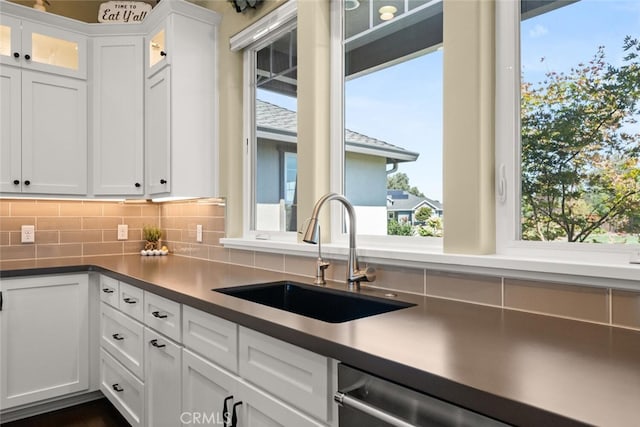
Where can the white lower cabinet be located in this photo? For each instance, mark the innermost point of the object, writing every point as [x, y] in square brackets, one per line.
[223, 374]
[212, 395]
[122, 388]
[44, 338]
[206, 390]
[162, 373]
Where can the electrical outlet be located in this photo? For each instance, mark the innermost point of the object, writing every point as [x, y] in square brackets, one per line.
[123, 231]
[199, 233]
[28, 234]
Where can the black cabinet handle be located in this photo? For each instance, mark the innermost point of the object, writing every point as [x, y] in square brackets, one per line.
[27, 57]
[234, 415]
[137, 185]
[158, 315]
[16, 55]
[16, 181]
[1, 301]
[163, 181]
[27, 182]
[156, 345]
[225, 411]
[129, 300]
[163, 53]
[117, 337]
[107, 290]
[117, 388]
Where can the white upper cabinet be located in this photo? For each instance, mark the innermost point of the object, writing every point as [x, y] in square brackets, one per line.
[44, 133]
[152, 113]
[181, 108]
[42, 47]
[118, 126]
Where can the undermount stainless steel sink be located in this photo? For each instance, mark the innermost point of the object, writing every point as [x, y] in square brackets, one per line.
[324, 304]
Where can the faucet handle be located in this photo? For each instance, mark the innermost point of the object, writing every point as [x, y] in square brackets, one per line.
[369, 274]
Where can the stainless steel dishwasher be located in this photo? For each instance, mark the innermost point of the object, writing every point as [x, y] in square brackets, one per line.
[366, 400]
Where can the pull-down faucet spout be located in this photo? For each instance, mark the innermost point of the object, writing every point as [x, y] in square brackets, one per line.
[311, 235]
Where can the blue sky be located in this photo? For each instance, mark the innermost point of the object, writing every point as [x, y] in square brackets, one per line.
[402, 104]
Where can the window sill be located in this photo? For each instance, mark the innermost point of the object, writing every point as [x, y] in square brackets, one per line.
[607, 271]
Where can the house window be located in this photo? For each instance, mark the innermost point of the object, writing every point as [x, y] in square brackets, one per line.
[392, 91]
[579, 134]
[270, 105]
[578, 157]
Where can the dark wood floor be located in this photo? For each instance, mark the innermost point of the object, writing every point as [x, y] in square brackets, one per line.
[98, 413]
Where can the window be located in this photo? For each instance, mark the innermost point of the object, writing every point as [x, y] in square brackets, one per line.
[270, 104]
[577, 160]
[392, 137]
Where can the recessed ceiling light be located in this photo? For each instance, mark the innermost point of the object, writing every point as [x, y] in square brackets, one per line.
[387, 12]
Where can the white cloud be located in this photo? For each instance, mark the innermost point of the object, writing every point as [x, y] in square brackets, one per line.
[538, 31]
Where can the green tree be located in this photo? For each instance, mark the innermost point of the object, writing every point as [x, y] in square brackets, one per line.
[400, 181]
[424, 213]
[580, 157]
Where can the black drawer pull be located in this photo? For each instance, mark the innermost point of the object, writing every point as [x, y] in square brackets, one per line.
[130, 300]
[158, 315]
[107, 290]
[117, 337]
[234, 415]
[163, 53]
[225, 410]
[156, 345]
[16, 181]
[27, 57]
[117, 388]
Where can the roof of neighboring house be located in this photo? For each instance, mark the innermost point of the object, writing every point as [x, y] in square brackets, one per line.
[275, 122]
[400, 200]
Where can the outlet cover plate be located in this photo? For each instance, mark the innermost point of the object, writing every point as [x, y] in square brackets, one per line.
[123, 231]
[28, 234]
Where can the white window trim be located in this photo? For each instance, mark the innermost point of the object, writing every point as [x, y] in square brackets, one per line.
[507, 173]
[255, 37]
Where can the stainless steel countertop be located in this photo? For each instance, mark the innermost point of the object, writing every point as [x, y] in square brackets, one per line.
[521, 368]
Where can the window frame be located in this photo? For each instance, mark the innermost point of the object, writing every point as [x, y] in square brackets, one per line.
[260, 34]
[337, 169]
[508, 161]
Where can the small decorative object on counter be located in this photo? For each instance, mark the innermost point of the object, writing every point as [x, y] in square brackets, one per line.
[151, 234]
[152, 252]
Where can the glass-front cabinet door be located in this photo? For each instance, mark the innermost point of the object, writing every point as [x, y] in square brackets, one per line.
[158, 55]
[9, 40]
[54, 50]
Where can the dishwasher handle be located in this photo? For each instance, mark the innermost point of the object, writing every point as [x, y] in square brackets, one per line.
[349, 401]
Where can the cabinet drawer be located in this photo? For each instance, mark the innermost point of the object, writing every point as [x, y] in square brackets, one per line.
[131, 301]
[123, 338]
[109, 289]
[294, 374]
[163, 315]
[123, 389]
[213, 337]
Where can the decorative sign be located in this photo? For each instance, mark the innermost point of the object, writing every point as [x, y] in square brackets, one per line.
[123, 12]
